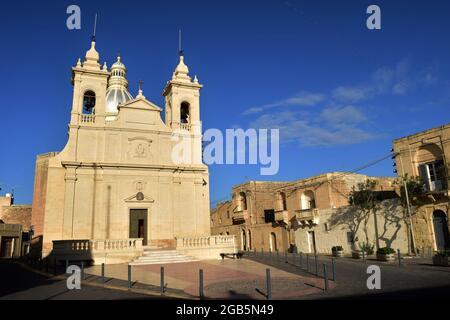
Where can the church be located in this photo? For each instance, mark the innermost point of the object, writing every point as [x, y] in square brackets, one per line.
[115, 192]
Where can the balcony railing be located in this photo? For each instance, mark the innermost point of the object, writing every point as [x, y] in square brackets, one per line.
[282, 216]
[240, 216]
[185, 126]
[87, 118]
[308, 216]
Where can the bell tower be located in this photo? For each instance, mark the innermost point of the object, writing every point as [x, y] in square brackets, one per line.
[89, 82]
[182, 100]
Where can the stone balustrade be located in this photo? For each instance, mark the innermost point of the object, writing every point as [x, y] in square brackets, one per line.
[207, 247]
[87, 118]
[185, 126]
[98, 250]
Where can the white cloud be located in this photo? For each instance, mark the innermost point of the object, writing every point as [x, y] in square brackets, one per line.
[306, 99]
[336, 130]
[351, 94]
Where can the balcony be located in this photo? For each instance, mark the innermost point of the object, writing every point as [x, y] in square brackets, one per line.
[282, 216]
[308, 217]
[240, 216]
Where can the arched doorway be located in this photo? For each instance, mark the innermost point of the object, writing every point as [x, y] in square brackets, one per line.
[441, 233]
[244, 240]
[273, 242]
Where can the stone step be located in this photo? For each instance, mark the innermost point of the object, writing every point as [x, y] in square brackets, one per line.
[161, 256]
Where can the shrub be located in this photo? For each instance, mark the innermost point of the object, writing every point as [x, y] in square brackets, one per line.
[367, 248]
[385, 250]
[337, 248]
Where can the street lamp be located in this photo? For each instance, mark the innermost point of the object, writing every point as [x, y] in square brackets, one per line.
[408, 206]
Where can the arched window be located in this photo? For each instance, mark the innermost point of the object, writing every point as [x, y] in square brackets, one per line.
[89, 102]
[243, 201]
[307, 200]
[282, 203]
[184, 112]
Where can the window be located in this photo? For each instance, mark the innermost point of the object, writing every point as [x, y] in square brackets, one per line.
[433, 175]
[89, 102]
[282, 203]
[243, 201]
[307, 201]
[269, 216]
[184, 112]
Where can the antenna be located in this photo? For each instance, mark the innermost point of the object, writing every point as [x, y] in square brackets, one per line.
[180, 50]
[95, 27]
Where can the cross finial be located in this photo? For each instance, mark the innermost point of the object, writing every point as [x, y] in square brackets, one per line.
[95, 27]
[180, 48]
[140, 82]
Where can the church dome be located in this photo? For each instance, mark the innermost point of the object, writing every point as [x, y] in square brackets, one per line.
[116, 96]
[117, 92]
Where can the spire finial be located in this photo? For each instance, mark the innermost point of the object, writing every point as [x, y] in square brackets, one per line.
[180, 48]
[140, 95]
[95, 27]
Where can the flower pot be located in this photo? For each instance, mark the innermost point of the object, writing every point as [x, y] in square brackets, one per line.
[440, 261]
[386, 257]
[357, 254]
[339, 253]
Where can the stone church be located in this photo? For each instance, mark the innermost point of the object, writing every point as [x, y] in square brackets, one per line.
[115, 189]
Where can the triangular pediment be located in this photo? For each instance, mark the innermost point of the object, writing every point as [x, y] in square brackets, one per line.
[140, 198]
[141, 103]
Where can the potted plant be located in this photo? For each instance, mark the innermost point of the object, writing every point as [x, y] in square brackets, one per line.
[337, 251]
[441, 258]
[386, 254]
[365, 249]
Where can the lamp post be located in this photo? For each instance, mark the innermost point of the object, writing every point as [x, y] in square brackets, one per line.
[408, 206]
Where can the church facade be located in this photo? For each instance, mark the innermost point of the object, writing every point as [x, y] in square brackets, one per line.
[117, 179]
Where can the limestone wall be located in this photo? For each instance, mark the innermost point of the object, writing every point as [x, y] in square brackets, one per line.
[386, 228]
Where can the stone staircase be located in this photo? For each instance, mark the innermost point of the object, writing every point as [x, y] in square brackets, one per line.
[154, 255]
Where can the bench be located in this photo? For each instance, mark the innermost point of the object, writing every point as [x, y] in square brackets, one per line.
[232, 255]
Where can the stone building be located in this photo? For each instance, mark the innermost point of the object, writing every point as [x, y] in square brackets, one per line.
[117, 188]
[309, 215]
[426, 155]
[15, 223]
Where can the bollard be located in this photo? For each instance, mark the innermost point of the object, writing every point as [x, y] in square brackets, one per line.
[301, 259]
[286, 257]
[278, 255]
[364, 256]
[307, 262]
[201, 294]
[270, 254]
[254, 252]
[162, 280]
[129, 276]
[333, 265]
[46, 266]
[293, 258]
[325, 277]
[269, 285]
[262, 252]
[67, 266]
[82, 270]
[55, 269]
[316, 263]
[399, 257]
[103, 272]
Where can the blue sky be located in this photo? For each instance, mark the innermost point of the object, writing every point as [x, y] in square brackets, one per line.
[338, 92]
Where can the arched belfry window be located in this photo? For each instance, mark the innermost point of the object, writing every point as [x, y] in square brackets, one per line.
[184, 112]
[88, 102]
